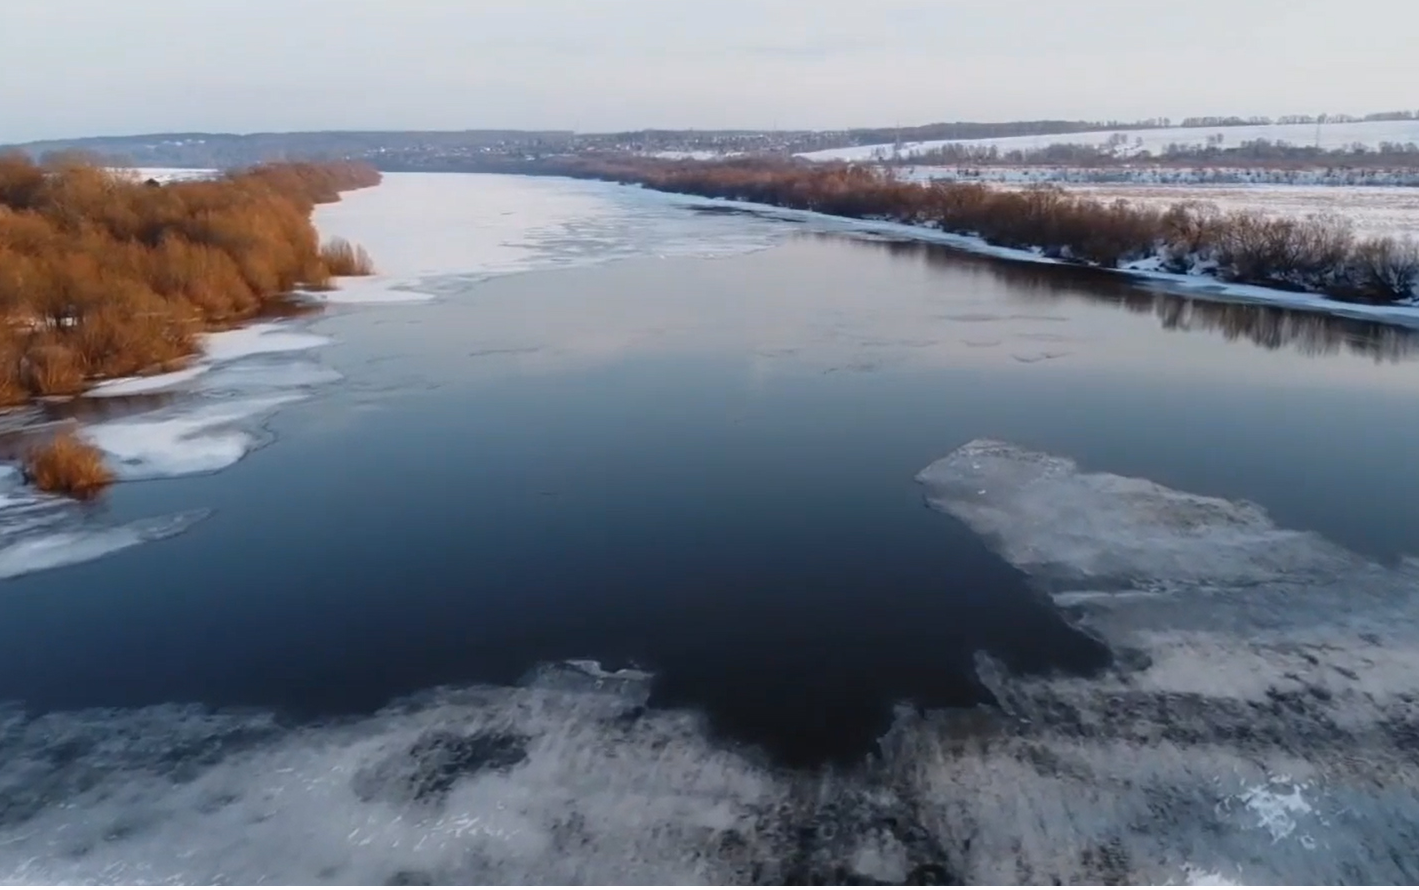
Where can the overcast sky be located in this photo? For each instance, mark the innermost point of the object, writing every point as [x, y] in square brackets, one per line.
[91, 67]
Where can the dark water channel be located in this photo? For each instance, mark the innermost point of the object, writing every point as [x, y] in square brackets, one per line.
[704, 468]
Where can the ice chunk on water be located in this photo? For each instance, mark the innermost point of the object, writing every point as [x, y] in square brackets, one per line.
[132, 386]
[200, 440]
[1276, 812]
[47, 550]
[1245, 653]
[257, 339]
[1200, 877]
[1066, 526]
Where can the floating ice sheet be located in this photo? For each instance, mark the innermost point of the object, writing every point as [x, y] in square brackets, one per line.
[132, 386]
[47, 549]
[193, 440]
[249, 377]
[258, 339]
[1069, 527]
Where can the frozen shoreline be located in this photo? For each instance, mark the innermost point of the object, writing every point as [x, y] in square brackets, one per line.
[1145, 272]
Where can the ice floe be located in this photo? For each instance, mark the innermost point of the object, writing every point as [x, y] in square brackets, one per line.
[259, 339]
[132, 386]
[49, 549]
[189, 440]
[1247, 657]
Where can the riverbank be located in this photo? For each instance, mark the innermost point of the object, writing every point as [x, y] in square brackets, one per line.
[105, 275]
[1317, 263]
[110, 281]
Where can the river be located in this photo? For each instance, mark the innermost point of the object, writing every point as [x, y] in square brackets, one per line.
[585, 543]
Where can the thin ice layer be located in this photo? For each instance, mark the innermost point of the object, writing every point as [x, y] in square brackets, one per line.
[258, 339]
[132, 386]
[197, 440]
[249, 377]
[1257, 725]
[35, 552]
[483, 786]
[1073, 528]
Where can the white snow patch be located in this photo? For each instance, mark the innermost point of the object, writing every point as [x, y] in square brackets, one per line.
[52, 550]
[1329, 136]
[1276, 812]
[172, 174]
[202, 440]
[132, 386]
[1198, 877]
[259, 339]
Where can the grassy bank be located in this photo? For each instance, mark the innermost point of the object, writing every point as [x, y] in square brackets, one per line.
[1319, 255]
[103, 274]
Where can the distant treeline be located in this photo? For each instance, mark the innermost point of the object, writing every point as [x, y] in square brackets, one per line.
[103, 274]
[220, 151]
[973, 130]
[445, 149]
[1253, 153]
[1318, 255]
[1298, 119]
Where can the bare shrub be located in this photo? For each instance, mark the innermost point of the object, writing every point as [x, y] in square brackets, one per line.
[67, 465]
[104, 275]
[1385, 269]
[341, 258]
[52, 369]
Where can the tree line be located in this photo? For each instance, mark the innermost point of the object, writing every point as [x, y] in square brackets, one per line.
[1116, 153]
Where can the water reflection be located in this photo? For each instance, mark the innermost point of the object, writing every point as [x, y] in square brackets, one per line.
[1273, 328]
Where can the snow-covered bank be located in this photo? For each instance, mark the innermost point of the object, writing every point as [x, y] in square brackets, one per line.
[1153, 175]
[1200, 286]
[216, 416]
[1326, 136]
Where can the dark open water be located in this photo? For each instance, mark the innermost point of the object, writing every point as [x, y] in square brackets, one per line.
[704, 468]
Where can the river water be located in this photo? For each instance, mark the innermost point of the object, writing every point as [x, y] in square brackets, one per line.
[585, 543]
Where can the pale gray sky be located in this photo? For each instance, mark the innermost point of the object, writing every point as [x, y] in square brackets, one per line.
[91, 67]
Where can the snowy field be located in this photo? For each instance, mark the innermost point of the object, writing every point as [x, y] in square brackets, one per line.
[1257, 727]
[1372, 211]
[1329, 136]
[1142, 175]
